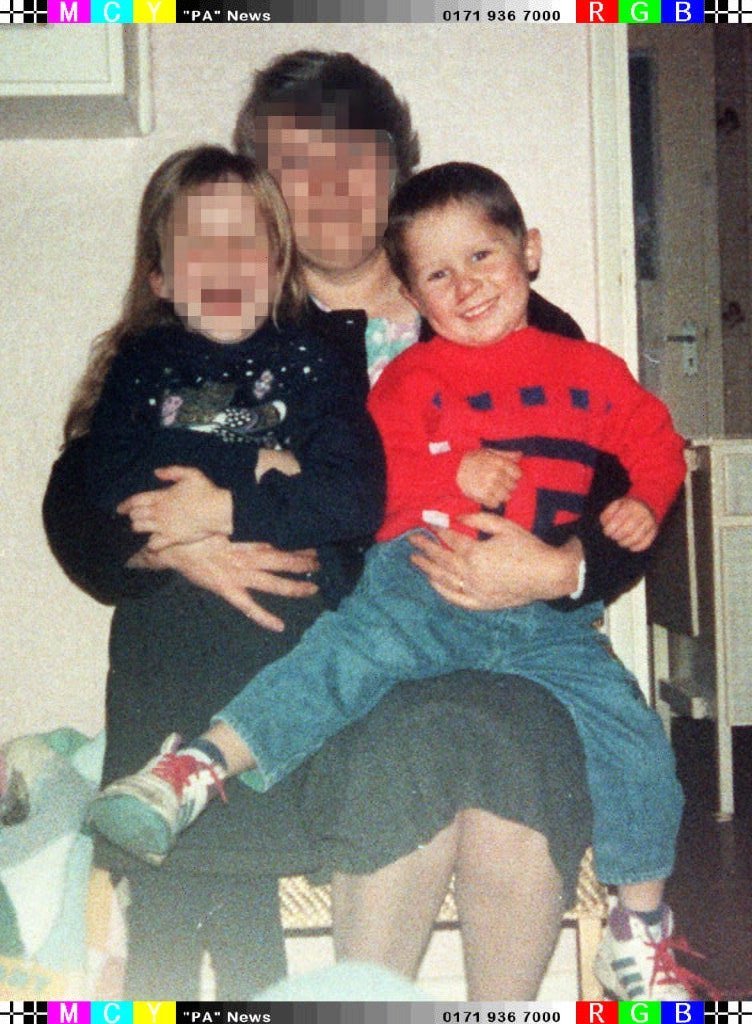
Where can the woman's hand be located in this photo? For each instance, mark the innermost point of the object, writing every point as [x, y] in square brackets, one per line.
[190, 509]
[231, 570]
[511, 568]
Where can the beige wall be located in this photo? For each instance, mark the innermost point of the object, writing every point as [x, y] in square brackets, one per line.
[516, 99]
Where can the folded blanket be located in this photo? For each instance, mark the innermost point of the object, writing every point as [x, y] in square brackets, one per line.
[46, 782]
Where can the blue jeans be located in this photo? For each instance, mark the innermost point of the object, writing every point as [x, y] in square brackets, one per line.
[394, 627]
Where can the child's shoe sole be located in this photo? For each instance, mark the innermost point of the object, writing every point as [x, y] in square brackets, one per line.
[133, 826]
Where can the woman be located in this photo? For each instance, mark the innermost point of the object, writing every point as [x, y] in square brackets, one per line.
[452, 776]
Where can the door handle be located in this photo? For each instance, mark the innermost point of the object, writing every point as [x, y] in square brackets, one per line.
[687, 338]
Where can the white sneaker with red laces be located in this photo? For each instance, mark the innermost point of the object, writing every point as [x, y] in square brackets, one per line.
[144, 813]
[635, 961]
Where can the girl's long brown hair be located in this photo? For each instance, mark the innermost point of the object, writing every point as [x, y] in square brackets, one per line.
[179, 173]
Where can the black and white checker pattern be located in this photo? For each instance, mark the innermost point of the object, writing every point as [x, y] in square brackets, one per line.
[728, 11]
[23, 1011]
[23, 12]
[739, 1012]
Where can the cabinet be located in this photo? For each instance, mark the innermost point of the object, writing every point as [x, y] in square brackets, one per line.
[700, 599]
[85, 81]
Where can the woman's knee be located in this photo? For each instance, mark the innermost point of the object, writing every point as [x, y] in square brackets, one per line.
[500, 846]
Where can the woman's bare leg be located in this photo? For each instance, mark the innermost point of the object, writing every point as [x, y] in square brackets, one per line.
[386, 917]
[509, 898]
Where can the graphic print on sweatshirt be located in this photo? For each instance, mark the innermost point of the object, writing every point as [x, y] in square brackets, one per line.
[209, 408]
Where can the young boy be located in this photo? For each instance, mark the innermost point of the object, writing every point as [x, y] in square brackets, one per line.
[486, 383]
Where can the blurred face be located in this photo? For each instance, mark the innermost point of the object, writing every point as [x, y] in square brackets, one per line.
[469, 277]
[217, 267]
[336, 183]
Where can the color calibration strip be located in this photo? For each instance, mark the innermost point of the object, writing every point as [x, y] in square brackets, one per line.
[456, 15]
[604, 1012]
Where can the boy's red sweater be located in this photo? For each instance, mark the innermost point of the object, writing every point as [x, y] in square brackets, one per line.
[558, 401]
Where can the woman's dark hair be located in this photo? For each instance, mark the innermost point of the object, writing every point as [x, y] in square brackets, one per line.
[435, 187]
[334, 88]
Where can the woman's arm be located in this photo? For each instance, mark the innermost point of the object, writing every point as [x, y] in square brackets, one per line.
[92, 546]
[232, 570]
[610, 569]
[100, 554]
[192, 507]
[513, 567]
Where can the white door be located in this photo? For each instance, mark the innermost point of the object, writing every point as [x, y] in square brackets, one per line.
[678, 238]
[679, 333]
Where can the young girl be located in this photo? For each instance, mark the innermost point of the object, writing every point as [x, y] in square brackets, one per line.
[206, 367]
[208, 370]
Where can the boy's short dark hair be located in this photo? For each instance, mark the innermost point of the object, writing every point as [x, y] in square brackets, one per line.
[435, 187]
[335, 88]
